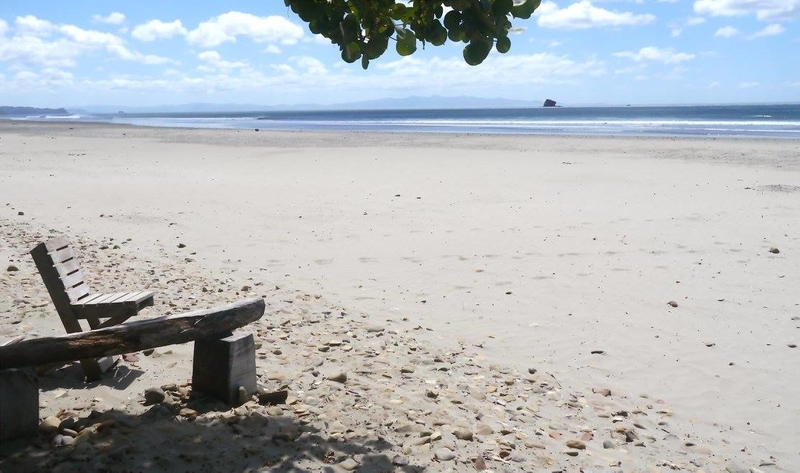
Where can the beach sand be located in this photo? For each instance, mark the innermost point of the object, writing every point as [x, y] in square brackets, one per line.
[488, 297]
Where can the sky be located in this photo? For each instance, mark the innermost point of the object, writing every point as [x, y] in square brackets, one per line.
[56, 53]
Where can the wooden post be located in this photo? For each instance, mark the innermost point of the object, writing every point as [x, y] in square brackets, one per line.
[19, 403]
[223, 365]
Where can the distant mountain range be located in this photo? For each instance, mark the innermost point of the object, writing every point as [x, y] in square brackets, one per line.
[7, 111]
[406, 103]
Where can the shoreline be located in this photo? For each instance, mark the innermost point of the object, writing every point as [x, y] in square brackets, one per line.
[534, 251]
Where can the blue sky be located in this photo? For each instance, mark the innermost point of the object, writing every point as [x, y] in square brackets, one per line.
[93, 52]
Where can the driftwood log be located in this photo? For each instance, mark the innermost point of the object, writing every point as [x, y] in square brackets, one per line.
[132, 336]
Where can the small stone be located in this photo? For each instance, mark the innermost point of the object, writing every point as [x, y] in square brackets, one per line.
[462, 433]
[672, 304]
[20, 213]
[274, 411]
[11, 268]
[608, 444]
[399, 460]
[532, 370]
[181, 245]
[480, 464]
[188, 413]
[576, 444]
[444, 454]
[407, 369]
[244, 396]
[374, 329]
[602, 391]
[154, 396]
[774, 250]
[338, 377]
[50, 425]
[349, 464]
[430, 393]
[484, 429]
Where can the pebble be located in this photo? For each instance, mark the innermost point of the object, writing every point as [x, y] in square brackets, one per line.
[400, 460]
[11, 267]
[407, 369]
[576, 444]
[672, 304]
[244, 396]
[444, 454]
[154, 396]
[50, 425]
[338, 377]
[608, 444]
[349, 464]
[774, 250]
[462, 433]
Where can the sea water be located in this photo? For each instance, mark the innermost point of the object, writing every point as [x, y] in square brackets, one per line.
[768, 120]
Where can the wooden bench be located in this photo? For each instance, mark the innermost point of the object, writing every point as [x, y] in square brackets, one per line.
[223, 361]
[74, 301]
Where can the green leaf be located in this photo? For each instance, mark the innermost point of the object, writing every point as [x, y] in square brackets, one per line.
[351, 52]
[503, 44]
[526, 9]
[406, 43]
[502, 7]
[476, 51]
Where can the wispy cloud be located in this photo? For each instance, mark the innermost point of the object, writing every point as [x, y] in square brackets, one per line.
[583, 15]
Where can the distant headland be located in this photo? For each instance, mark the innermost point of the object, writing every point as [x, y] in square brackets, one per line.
[27, 111]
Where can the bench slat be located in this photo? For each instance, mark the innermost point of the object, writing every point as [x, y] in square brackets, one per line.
[56, 243]
[136, 296]
[62, 255]
[76, 293]
[101, 298]
[67, 267]
[73, 279]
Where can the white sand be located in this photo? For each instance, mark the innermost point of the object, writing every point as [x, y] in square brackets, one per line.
[532, 252]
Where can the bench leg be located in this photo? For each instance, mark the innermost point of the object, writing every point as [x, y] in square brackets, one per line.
[222, 365]
[19, 403]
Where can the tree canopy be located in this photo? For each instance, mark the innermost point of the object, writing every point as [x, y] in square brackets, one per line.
[363, 28]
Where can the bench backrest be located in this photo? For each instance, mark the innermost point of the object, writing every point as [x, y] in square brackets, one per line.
[62, 275]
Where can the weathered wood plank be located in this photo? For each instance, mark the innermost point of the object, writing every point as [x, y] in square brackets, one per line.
[57, 243]
[73, 279]
[67, 267]
[76, 293]
[132, 336]
[62, 255]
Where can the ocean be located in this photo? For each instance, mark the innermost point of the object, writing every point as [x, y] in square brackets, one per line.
[768, 120]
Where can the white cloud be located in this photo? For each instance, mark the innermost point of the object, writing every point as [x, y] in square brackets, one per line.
[311, 65]
[114, 18]
[771, 30]
[676, 31]
[761, 9]
[30, 25]
[229, 26]
[695, 20]
[27, 48]
[650, 53]
[272, 49]
[213, 61]
[3, 27]
[748, 85]
[583, 14]
[157, 29]
[726, 32]
[30, 50]
[713, 85]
